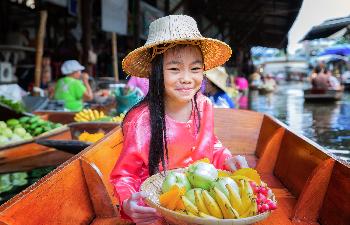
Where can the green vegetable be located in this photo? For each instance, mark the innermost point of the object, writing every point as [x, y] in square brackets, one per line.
[24, 119]
[16, 106]
[5, 183]
[12, 122]
[19, 178]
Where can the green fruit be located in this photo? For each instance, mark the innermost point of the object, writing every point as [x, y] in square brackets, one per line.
[202, 175]
[221, 182]
[20, 131]
[3, 140]
[12, 122]
[34, 119]
[175, 178]
[38, 131]
[7, 132]
[24, 119]
[33, 126]
[2, 125]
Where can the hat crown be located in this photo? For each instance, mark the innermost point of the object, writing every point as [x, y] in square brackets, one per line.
[173, 27]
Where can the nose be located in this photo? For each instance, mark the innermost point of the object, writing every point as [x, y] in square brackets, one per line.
[186, 77]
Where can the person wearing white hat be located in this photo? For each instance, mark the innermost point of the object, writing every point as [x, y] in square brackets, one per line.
[74, 88]
[215, 88]
[172, 126]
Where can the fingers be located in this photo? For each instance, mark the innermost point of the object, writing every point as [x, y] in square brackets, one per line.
[236, 162]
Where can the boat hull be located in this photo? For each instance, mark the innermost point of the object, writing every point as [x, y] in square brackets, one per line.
[297, 170]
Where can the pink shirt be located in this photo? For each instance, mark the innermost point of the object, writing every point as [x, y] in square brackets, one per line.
[185, 146]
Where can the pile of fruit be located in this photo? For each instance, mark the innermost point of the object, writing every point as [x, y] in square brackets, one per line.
[88, 115]
[24, 128]
[204, 191]
[85, 136]
[16, 106]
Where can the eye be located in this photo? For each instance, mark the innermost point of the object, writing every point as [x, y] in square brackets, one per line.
[196, 68]
[173, 68]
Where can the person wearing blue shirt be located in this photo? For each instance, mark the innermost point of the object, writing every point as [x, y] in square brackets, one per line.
[215, 88]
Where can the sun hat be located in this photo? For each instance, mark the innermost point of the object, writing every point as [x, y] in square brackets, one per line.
[218, 76]
[71, 66]
[165, 33]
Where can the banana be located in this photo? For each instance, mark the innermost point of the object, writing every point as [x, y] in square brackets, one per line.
[211, 204]
[252, 210]
[102, 114]
[246, 195]
[200, 202]
[96, 114]
[181, 211]
[91, 114]
[235, 199]
[224, 204]
[190, 207]
[190, 214]
[204, 215]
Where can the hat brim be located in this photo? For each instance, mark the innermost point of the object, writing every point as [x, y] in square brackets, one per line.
[213, 79]
[138, 62]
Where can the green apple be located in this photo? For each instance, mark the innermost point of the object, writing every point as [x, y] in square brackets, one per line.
[7, 132]
[221, 182]
[175, 178]
[20, 131]
[202, 175]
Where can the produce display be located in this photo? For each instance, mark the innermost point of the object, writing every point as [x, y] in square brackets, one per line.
[203, 191]
[85, 136]
[24, 128]
[16, 106]
[88, 115]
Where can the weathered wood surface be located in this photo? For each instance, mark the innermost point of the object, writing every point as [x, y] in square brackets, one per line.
[310, 186]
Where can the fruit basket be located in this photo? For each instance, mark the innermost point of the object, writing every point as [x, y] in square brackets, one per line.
[152, 187]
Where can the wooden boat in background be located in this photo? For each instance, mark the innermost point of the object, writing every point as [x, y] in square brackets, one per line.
[310, 185]
[322, 95]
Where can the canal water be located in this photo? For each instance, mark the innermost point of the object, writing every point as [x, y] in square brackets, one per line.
[328, 124]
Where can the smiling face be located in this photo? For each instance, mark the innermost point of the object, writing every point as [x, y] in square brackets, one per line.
[183, 73]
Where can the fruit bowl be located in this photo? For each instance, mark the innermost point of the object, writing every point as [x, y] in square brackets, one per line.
[152, 187]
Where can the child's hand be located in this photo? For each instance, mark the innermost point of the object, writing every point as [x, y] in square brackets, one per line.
[140, 215]
[236, 162]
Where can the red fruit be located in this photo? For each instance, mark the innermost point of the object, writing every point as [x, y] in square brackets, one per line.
[261, 198]
[264, 207]
[272, 205]
[259, 209]
[264, 190]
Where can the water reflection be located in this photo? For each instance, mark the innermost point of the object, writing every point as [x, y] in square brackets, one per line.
[328, 124]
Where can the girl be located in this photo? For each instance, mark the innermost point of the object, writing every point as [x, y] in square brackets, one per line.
[173, 125]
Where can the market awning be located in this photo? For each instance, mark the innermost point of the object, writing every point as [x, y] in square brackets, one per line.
[327, 28]
[248, 23]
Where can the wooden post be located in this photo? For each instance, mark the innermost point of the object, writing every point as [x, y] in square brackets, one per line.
[86, 21]
[39, 47]
[115, 56]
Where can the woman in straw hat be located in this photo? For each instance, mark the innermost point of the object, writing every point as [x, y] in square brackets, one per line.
[215, 88]
[173, 125]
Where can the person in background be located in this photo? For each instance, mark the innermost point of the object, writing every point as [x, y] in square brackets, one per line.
[141, 83]
[333, 82]
[320, 82]
[216, 88]
[269, 82]
[70, 88]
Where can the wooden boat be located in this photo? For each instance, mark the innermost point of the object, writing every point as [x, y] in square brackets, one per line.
[311, 186]
[322, 95]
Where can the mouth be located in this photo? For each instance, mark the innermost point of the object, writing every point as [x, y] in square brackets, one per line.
[184, 89]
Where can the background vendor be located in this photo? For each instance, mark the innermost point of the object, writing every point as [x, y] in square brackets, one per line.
[74, 88]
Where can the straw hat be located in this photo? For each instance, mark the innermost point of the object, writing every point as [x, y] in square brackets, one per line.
[218, 76]
[165, 33]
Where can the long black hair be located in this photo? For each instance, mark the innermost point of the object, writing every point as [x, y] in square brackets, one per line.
[158, 151]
